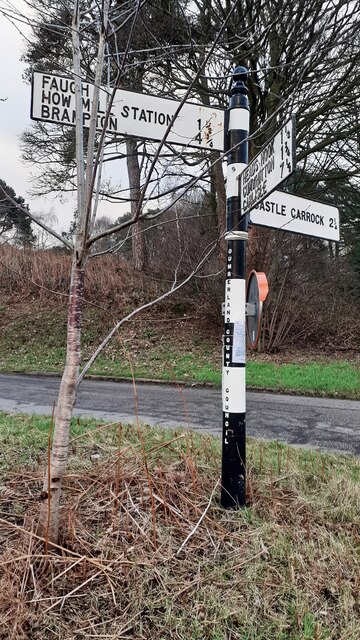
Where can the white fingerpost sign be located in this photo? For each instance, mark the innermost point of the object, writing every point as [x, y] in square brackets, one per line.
[132, 114]
[291, 213]
[270, 167]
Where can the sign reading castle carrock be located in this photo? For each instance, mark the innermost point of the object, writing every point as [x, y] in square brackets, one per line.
[132, 114]
[289, 212]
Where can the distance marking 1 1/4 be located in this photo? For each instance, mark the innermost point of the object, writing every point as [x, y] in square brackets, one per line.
[132, 114]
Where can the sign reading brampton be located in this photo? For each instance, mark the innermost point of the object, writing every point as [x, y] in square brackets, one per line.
[291, 213]
[132, 114]
[269, 168]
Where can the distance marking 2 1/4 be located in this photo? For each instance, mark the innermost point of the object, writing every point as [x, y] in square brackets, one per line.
[292, 213]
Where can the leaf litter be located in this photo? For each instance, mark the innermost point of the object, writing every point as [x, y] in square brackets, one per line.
[147, 551]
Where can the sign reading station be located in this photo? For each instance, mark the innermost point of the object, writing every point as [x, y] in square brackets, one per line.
[132, 114]
[291, 213]
[269, 168]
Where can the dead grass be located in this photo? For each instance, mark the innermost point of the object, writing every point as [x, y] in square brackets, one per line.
[147, 552]
[45, 275]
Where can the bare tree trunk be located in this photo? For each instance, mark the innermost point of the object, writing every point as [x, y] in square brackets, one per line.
[217, 177]
[49, 509]
[138, 241]
[86, 174]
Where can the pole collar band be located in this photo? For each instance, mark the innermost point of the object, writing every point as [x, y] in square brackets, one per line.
[236, 235]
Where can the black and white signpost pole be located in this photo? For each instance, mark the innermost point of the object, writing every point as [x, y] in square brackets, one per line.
[250, 194]
[233, 489]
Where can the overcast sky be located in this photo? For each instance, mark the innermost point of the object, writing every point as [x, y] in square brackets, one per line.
[15, 118]
[15, 97]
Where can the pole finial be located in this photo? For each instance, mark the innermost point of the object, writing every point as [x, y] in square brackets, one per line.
[240, 75]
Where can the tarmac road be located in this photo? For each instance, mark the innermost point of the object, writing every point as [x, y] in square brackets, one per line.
[327, 424]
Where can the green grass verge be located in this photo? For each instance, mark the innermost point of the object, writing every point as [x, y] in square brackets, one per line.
[37, 343]
[332, 379]
[163, 364]
[162, 560]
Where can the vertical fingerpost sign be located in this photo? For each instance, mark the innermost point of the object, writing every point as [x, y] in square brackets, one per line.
[233, 485]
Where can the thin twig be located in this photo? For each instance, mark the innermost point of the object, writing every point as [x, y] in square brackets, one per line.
[68, 568]
[200, 519]
[68, 595]
[53, 544]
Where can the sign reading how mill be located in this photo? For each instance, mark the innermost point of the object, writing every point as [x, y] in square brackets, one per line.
[132, 114]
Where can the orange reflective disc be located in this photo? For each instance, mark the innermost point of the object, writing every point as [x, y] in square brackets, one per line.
[262, 284]
[256, 292]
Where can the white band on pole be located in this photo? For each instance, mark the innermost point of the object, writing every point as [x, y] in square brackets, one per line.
[236, 235]
[233, 389]
[239, 119]
[234, 300]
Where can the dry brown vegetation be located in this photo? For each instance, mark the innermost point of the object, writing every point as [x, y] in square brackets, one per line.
[147, 552]
[112, 289]
[314, 312]
[33, 292]
[46, 274]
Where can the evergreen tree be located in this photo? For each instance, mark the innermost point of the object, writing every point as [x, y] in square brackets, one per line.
[14, 224]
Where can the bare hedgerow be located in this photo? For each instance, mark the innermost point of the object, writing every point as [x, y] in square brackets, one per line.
[44, 274]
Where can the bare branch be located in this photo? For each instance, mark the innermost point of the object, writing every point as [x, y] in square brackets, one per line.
[171, 291]
[163, 141]
[37, 221]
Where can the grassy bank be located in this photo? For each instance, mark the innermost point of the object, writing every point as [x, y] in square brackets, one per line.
[323, 377]
[174, 349]
[156, 556]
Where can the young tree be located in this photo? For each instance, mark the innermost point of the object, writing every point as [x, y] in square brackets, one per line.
[89, 146]
[242, 32]
[159, 30]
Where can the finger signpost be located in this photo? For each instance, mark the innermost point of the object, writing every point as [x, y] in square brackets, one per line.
[233, 477]
[251, 198]
[291, 213]
[257, 201]
[132, 114]
[271, 166]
